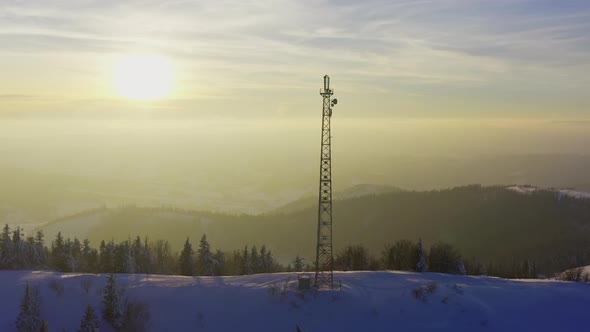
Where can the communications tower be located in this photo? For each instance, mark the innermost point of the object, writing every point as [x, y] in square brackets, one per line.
[324, 276]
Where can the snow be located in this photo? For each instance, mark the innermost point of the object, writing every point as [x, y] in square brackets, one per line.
[368, 301]
[523, 189]
[575, 193]
[561, 192]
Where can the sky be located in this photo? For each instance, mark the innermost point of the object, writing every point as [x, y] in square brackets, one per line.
[216, 103]
[266, 59]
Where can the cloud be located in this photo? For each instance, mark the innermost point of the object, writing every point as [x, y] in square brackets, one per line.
[535, 47]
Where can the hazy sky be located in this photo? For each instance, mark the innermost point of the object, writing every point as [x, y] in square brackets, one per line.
[502, 58]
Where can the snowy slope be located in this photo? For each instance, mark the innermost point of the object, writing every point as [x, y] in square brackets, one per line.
[561, 192]
[369, 301]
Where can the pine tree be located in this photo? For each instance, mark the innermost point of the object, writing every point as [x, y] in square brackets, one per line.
[29, 318]
[20, 250]
[6, 250]
[70, 254]
[269, 262]
[421, 265]
[254, 260]
[298, 264]
[147, 256]
[112, 301]
[219, 257]
[246, 267]
[129, 259]
[89, 322]
[58, 253]
[39, 251]
[205, 261]
[264, 260]
[138, 256]
[187, 267]
[85, 257]
[107, 256]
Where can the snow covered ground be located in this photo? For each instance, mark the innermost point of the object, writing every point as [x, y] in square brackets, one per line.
[368, 301]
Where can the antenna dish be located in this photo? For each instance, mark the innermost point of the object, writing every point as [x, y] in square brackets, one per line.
[334, 101]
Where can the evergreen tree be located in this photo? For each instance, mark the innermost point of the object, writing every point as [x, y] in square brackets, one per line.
[20, 251]
[187, 267]
[75, 252]
[58, 253]
[70, 255]
[112, 300]
[269, 262]
[107, 256]
[254, 260]
[30, 252]
[89, 321]
[205, 261]
[246, 267]
[85, 257]
[138, 256]
[265, 260]
[39, 251]
[147, 257]
[29, 318]
[129, 258]
[6, 251]
[421, 264]
[298, 264]
[221, 262]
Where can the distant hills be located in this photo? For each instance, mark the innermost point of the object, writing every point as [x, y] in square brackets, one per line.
[488, 223]
[355, 191]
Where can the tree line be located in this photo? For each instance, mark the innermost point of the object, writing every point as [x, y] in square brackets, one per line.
[130, 256]
[406, 255]
[156, 257]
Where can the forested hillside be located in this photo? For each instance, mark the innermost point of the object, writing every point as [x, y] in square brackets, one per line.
[485, 223]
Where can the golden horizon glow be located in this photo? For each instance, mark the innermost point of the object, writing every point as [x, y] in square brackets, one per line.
[143, 77]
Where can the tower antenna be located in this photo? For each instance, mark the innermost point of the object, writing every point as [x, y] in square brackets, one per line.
[324, 273]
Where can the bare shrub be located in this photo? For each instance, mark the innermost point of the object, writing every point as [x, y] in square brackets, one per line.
[575, 274]
[421, 293]
[57, 287]
[86, 284]
[273, 289]
[431, 287]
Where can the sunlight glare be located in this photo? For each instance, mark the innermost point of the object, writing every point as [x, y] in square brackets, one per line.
[143, 77]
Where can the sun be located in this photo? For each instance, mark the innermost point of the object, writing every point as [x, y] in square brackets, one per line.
[143, 77]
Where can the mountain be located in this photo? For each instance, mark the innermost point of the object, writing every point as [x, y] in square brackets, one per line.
[487, 223]
[367, 301]
[311, 200]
